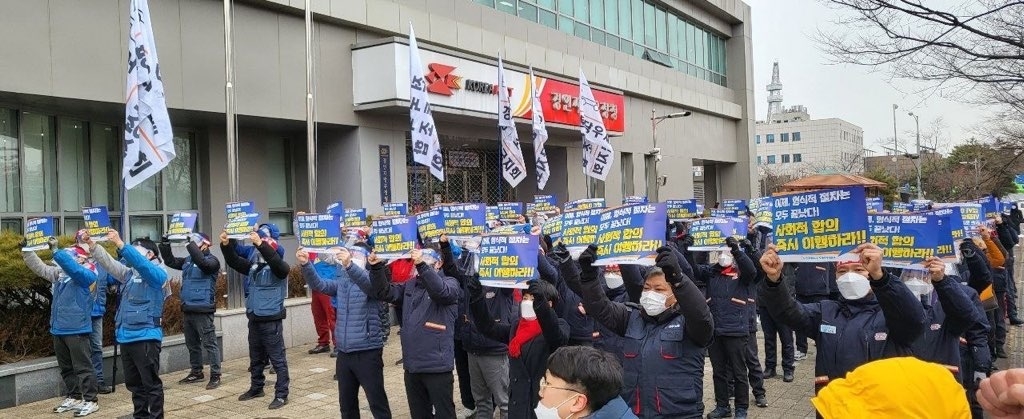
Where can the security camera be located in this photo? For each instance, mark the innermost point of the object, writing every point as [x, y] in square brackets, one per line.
[655, 151]
[657, 157]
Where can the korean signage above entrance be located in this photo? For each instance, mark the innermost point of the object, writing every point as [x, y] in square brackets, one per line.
[460, 83]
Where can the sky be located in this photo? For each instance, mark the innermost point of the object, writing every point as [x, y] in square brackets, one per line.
[784, 30]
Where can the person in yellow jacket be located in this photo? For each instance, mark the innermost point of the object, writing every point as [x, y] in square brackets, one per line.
[903, 387]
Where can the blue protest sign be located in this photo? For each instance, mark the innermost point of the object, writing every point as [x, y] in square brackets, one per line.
[182, 224]
[97, 222]
[553, 227]
[583, 204]
[737, 207]
[462, 221]
[918, 205]
[240, 225]
[508, 261]
[393, 237]
[430, 224]
[700, 209]
[631, 235]
[634, 200]
[906, 240]
[510, 211]
[319, 232]
[492, 213]
[336, 208]
[579, 229]
[239, 209]
[970, 217]
[820, 226]
[956, 221]
[530, 212]
[875, 204]
[37, 234]
[709, 234]
[396, 209]
[900, 208]
[1006, 204]
[990, 206]
[681, 209]
[722, 213]
[544, 204]
[763, 212]
[355, 218]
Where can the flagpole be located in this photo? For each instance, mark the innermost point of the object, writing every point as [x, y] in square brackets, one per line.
[229, 104]
[310, 123]
[501, 158]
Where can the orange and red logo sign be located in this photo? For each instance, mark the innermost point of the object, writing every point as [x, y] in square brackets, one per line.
[440, 79]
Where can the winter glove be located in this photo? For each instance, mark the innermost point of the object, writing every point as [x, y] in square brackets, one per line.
[666, 260]
[52, 243]
[540, 291]
[476, 290]
[23, 244]
[968, 248]
[686, 242]
[165, 240]
[560, 253]
[586, 260]
[732, 243]
[746, 245]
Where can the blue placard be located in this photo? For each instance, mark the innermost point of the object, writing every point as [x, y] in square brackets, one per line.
[385, 173]
[681, 209]
[240, 226]
[900, 208]
[875, 204]
[722, 213]
[430, 224]
[918, 205]
[394, 237]
[181, 226]
[97, 222]
[583, 204]
[906, 240]
[337, 208]
[239, 209]
[820, 226]
[392, 209]
[355, 218]
[552, 227]
[956, 221]
[318, 233]
[579, 229]
[1006, 204]
[510, 211]
[492, 213]
[462, 221]
[545, 204]
[508, 261]
[709, 234]
[700, 209]
[37, 234]
[970, 218]
[634, 200]
[763, 211]
[737, 207]
[631, 235]
[990, 206]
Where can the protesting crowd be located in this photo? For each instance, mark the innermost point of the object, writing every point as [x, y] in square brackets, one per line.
[538, 323]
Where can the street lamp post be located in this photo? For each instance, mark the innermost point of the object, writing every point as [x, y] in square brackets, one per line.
[655, 151]
[917, 120]
[895, 145]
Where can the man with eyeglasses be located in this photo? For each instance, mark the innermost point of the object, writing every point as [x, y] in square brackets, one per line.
[582, 382]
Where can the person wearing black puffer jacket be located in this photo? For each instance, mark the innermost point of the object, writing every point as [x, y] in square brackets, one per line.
[1009, 237]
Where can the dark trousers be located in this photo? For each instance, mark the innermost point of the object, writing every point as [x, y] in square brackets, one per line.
[1011, 289]
[775, 331]
[729, 364]
[430, 392]
[755, 375]
[142, 377]
[267, 342]
[74, 358]
[801, 339]
[362, 369]
[201, 339]
[967, 369]
[462, 370]
[999, 325]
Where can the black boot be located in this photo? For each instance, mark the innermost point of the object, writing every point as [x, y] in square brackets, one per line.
[770, 373]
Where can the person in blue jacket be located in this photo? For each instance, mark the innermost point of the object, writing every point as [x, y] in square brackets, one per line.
[877, 316]
[138, 320]
[430, 302]
[582, 382]
[73, 282]
[266, 275]
[359, 334]
[199, 271]
[99, 308]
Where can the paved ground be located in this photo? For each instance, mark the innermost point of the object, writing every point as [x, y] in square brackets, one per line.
[315, 395]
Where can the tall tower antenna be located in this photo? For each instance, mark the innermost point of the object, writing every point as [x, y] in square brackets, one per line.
[774, 94]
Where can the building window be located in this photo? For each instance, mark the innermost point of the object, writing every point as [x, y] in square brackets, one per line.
[40, 157]
[152, 202]
[785, 158]
[771, 159]
[279, 183]
[626, 161]
[785, 137]
[72, 138]
[757, 139]
[796, 136]
[797, 158]
[105, 165]
[758, 159]
[10, 188]
[770, 138]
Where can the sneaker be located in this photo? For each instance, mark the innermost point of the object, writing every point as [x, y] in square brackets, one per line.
[741, 413]
[787, 376]
[334, 353]
[251, 394]
[720, 412]
[799, 356]
[192, 377]
[277, 403]
[86, 408]
[319, 349]
[67, 405]
[1015, 321]
[214, 382]
[760, 401]
[104, 389]
[1000, 352]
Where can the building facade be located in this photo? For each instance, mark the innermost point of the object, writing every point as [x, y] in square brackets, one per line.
[62, 93]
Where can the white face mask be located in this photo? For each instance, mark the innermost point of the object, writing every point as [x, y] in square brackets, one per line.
[653, 302]
[613, 280]
[526, 310]
[919, 288]
[725, 260]
[853, 286]
[544, 412]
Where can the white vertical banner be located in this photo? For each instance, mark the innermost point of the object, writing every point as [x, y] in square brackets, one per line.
[513, 166]
[147, 127]
[540, 134]
[426, 148]
[597, 151]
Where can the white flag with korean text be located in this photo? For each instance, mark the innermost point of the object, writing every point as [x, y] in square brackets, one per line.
[513, 166]
[540, 134]
[147, 127]
[597, 151]
[426, 149]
